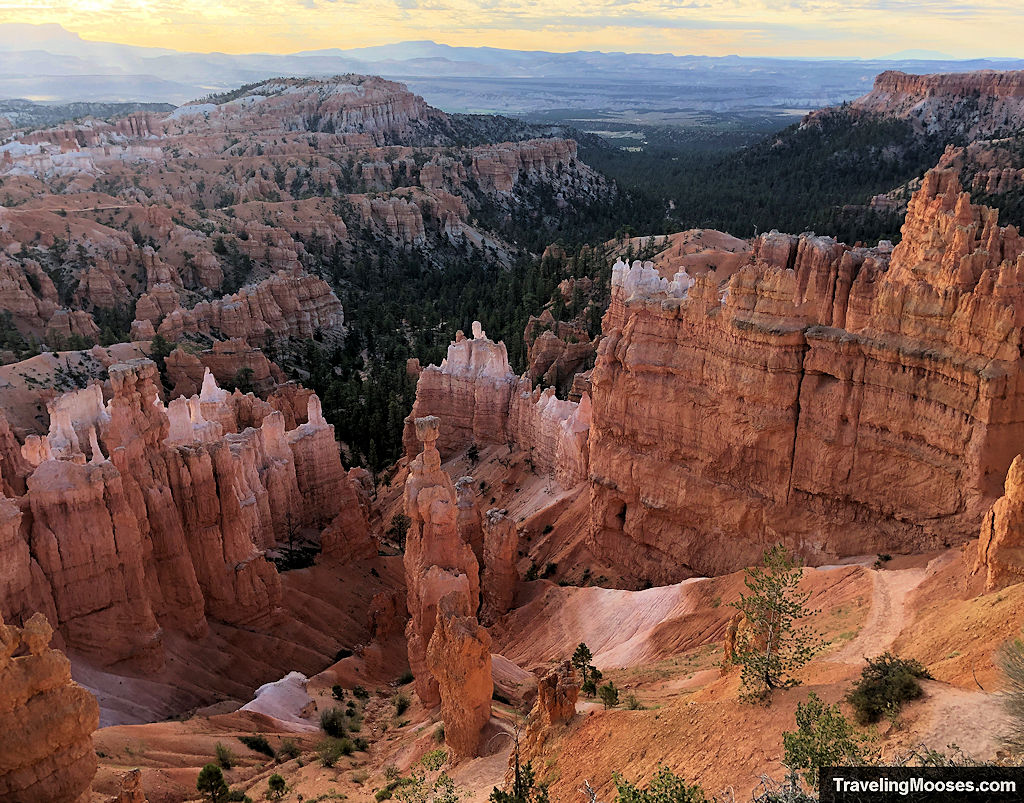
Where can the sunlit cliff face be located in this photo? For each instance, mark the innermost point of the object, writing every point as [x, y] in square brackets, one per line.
[859, 28]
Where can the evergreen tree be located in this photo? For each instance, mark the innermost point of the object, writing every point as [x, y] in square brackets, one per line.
[771, 647]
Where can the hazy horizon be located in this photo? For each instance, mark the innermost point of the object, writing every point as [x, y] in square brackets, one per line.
[814, 29]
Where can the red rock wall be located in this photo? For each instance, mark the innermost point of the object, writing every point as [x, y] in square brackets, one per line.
[830, 401]
[168, 522]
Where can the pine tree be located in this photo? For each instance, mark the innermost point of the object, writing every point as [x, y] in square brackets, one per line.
[581, 660]
[771, 646]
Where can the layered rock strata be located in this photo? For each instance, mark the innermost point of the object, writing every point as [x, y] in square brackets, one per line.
[840, 400]
[479, 400]
[137, 518]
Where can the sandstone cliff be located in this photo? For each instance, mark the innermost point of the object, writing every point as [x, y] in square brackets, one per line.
[831, 397]
[137, 518]
[991, 100]
[479, 400]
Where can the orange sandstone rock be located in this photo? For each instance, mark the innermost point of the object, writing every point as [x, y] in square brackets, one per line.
[46, 720]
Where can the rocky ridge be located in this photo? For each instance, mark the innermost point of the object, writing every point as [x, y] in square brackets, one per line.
[181, 504]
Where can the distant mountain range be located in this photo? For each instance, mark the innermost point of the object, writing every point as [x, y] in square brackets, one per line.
[51, 64]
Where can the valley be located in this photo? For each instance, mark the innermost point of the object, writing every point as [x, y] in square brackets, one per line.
[345, 440]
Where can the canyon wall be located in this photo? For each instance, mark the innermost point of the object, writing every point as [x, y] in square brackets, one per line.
[479, 400]
[138, 518]
[976, 104]
[839, 400]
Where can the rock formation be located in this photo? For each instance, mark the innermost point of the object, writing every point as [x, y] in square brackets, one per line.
[1001, 545]
[285, 304]
[459, 658]
[500, 577]
[437, 561]
[131, 790]
[46, 720]
[556, 351]
[934, 101]
[481, 401]
[832, 398]
[555, 706]
[137, 518]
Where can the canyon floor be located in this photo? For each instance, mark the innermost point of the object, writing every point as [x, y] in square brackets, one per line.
[662, 645]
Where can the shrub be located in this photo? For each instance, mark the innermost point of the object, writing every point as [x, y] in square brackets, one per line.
[338, 692]
[361, 693]
[439, 733]
[332, 721]
[633, 704]
[211, 783]
[258, 743]
[435, 759]
[1011, 660]
[885, 684]
[224, 756]
[333, 749]
[473, 453]
[361, 744]
[823, 738]
[237, 796]
[665, 787]
[276, 787]
[288, 750]
[609, 695]
[405, 678]
[401, 703]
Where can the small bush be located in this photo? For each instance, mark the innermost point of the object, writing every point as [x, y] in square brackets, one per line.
[439, 733]
[548, 528]
[664, 786]
[823, 738]
[401, 703]
[276, 787]
[332, 721]
[258, 743]
[224, 756]
[435, 759]
[549, 570]
[288, 750]
[609, 695]
[405, 678]
[338, 692]
[361, 693]
[633, 704]
[885, 684]
[333, 749]
[361, 744]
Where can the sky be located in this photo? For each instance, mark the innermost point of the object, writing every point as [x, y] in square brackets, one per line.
[811, 28]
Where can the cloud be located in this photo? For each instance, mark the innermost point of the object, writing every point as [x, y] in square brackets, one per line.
[713, 27]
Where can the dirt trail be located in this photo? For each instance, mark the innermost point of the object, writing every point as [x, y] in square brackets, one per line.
[972, 720]
[887, 618]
